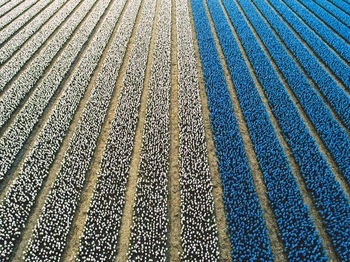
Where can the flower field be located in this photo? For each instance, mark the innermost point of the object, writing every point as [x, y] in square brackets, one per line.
[180, 130]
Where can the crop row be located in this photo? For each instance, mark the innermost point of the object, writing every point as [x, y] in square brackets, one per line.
[199, 236]
[40, 62]
[25, 19]
[338, 67]
[328, 19]
[100, 236]
[246, 226]
[149, 234]
[319, 179]
[8, 6]
[13, 14]
[285, 199]
[51, 231]
[326, 126]
[342, 4]
[16, 135]
[14, 212]
[36, 32]
[336, 97]
[3, 2]
[321, 29]
[335, 11]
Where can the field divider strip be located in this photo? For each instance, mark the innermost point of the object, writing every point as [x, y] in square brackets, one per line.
[319, 179]
[15, 66]
[334, 11]
[82, 146]
[150, 240]
[332, 27]
[174, 231]
[224, 239]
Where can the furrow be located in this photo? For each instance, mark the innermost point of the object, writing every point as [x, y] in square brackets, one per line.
[126, 219]
[324, 128]
[336, 98]
[283, 192]
[334, 66]
[199, 234]
[50, 139]
[342, 5]
[148, 241]
[100, 239]
[24, 121]
[58, 211]
[175, 252]
[245, 222]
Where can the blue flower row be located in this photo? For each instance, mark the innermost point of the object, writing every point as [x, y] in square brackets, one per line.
[320, 182]
[338, 144]
[246, 227]
[297, 229]
[328, 19]
[321, 29]
[335, 11]
[338, 67]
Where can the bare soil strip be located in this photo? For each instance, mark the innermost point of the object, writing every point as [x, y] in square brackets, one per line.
[276, 243]
[174, 242]
[295, 169]
[224, 240]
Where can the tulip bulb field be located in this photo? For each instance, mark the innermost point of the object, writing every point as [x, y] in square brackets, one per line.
[174, 130]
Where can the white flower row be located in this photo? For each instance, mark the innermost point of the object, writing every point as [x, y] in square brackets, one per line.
[37, 66]
[198, 224]
[17, 11]
[15, 25]
[38, 39]
[100, 236]
[51, 231]
[8, 6]
[14, 212]
[149, 234]
[14, 138]
[3, 2]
